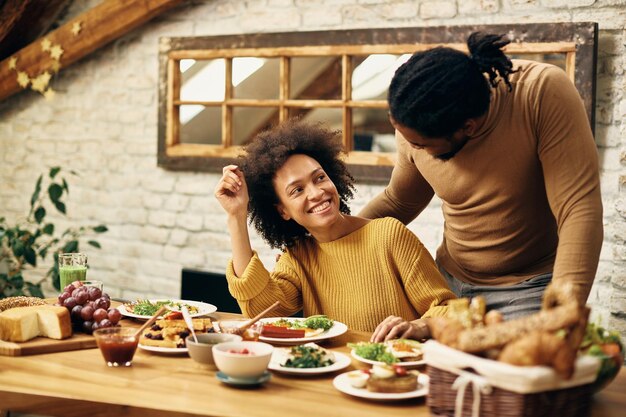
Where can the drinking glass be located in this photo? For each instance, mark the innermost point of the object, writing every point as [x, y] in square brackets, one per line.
[72, 267]
[117, 345]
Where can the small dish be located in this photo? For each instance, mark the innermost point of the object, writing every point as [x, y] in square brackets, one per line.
[243, 382]
[372, 362]
[165, 350]
[337, 330]
[342, 383]
[202, 351]
[279, 356]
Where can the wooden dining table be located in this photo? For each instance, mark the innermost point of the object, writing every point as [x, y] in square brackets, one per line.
[79, 383]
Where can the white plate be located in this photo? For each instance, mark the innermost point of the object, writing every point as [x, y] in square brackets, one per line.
[203, 308]
[159, 349]
[342, 383]
[337, 330]
[371, 362]
[279, 356]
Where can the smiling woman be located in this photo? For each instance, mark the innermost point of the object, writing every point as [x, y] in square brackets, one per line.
[295, 187]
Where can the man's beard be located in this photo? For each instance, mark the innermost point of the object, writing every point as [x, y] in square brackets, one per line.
[455, 149]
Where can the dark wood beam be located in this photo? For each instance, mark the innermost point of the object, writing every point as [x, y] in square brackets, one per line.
[23, 21]
[98, 26]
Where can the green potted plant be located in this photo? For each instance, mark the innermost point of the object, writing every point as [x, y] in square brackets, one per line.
[33, 238]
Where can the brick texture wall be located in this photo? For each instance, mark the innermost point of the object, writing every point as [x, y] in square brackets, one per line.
[103, 124]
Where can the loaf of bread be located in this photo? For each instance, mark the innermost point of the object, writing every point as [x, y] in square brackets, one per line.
[20, 301]
[21, 324]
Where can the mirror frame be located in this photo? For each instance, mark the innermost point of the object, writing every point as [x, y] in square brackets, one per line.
[579, 41]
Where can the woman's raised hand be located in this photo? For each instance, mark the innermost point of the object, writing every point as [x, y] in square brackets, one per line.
[232, 192]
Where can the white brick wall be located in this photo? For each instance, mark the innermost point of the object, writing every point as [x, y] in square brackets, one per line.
[103, 121]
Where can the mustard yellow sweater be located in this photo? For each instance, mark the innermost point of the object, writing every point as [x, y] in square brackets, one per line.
[376, 271]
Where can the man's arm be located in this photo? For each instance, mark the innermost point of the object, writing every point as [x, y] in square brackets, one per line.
[569, 159]
[407, 194]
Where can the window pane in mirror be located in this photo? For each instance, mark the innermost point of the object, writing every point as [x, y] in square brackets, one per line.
[199, 124]
[371, 75]
[372, 130]
[554, 59]
[249, 121]
[315, 78]
[255, 78]
[202, 80]
[330, 117]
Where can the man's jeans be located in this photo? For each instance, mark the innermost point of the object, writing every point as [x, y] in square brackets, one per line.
[512, 301]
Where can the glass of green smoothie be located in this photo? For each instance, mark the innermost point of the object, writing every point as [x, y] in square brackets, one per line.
[72, 267]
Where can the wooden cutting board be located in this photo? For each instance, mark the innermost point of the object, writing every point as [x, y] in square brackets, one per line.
[46, 345]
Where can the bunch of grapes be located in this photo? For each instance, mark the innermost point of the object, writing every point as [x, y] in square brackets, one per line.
[89, 307]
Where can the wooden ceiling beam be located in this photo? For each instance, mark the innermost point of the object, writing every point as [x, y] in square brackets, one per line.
[98, 26]
[23, 21]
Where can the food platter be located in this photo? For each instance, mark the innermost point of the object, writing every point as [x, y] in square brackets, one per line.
[202, 308]
[372, 362]
[337, 330]
[280, 355]
[160, 349]
[342, 383]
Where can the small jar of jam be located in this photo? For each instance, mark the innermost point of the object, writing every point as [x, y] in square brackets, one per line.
[117, 344]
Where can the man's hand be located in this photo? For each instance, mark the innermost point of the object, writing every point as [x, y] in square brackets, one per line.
[394, 327]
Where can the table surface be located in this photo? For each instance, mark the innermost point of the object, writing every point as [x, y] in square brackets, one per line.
[78, 383]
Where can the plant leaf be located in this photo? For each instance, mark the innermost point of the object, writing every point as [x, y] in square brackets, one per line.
[48, 229]
[65, 186]
[40, 213]
[17, 281]
[94, 244]
[54, 171]
[18, 248]
[55, 191]
[43, 252]
[60, 206]
[100, 229]
[34, 289]
[35, 195]
[30, 256]
[71, 246]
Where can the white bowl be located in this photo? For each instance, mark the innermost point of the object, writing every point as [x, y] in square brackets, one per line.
[202, 352]
[242, 366]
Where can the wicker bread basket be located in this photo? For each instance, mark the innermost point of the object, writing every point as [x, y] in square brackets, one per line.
[466, 385]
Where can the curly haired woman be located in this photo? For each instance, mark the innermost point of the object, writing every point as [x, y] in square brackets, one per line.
[373, 275]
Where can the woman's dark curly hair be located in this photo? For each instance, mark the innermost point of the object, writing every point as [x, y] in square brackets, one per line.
[436, 91]
[268, 152]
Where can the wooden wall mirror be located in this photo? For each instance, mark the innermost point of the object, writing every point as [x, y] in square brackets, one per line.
[216, 93]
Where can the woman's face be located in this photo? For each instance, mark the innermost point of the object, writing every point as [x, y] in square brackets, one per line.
[306, 194]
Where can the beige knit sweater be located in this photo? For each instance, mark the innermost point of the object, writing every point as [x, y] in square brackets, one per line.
[378, 270]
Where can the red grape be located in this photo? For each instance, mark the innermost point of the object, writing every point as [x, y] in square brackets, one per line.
[76, 313]
[100, 314]
[105, 323]
[102, 303]
[94, 293]
[114, 315]
[87, 326]
[87, 313]
[64, 296]
[82, 297]
[68, 288]
[69, 303]
[94, 326]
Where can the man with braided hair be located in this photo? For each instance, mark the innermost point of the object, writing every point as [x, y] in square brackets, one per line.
[512, 158]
